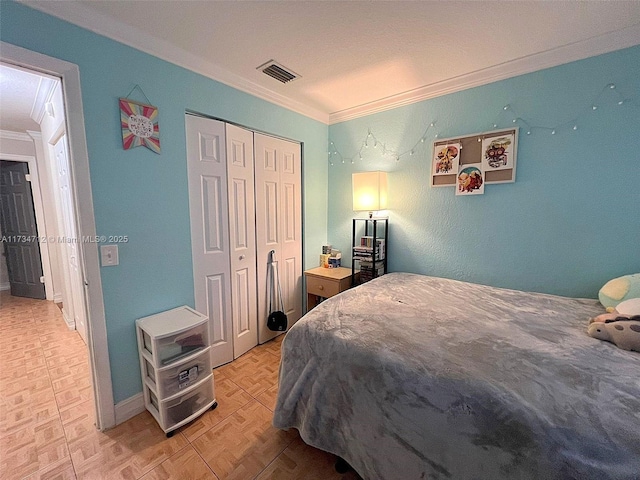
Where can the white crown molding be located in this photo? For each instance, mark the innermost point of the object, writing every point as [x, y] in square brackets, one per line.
[598, 45]
[89, 19]
[46, 88]
[34, 135]
[86, 17]
[11, 135]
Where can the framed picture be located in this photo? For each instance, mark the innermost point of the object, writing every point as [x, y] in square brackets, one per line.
[470, 180]
[139, 124]
[497, 153]
[446, 159]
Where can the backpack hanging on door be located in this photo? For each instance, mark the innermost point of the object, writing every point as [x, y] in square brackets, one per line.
[277, 319]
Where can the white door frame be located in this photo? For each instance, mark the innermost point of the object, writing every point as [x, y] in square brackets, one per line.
[88, 252]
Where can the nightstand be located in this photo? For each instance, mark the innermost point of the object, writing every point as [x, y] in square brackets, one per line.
[327, 282]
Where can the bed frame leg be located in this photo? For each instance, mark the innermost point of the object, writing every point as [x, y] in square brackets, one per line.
[341, 465]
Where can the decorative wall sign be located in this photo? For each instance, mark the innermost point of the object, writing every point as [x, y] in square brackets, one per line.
[446, 158]
[470, 180]
[139, 124]
[497, 153]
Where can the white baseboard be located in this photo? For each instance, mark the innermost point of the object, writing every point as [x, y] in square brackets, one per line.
[129, 408]
[5, 286]
[57, 297]
[69, 321]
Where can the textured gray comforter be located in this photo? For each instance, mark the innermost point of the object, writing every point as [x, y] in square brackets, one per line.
[411, 377]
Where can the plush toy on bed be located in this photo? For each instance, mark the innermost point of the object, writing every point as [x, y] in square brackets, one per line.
[621, 325]
[622, 330]
[618, 290]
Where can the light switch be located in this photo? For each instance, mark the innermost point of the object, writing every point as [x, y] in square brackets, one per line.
[109, 255]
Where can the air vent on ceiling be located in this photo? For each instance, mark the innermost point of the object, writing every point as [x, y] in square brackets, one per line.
[277, 71]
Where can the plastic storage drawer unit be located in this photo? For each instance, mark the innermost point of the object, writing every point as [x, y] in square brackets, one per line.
[176, 411]
[177, 380]
[174, 379]
[172, 335]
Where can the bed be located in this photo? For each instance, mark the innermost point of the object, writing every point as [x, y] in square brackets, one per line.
[417, 377]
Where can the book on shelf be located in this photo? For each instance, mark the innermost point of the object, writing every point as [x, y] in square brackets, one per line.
[366, 275]
[368, 264]
[365, 250]
[370, 270]
[367, 241]
[367, 258]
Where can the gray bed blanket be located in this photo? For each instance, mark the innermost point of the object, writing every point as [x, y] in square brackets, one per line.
[416, 377]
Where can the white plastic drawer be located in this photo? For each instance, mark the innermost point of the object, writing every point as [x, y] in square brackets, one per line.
[176, 347]
[173, 380]
[179, 408]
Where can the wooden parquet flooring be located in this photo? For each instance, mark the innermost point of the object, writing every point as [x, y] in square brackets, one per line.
[47, 416]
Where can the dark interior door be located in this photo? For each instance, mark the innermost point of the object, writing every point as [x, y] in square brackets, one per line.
[19, 232]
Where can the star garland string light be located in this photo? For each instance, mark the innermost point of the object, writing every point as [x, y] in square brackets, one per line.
[372, 140]
[573, 123]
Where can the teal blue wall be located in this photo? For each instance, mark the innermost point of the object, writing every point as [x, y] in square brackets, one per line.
[144, 195]
[569, 223]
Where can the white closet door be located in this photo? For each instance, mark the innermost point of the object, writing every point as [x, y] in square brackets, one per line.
[242, 236]
[208, 206]
[278, 225]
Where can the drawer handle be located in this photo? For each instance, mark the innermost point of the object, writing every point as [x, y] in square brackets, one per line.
[320, 287]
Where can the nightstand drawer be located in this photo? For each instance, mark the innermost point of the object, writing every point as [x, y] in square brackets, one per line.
[323, 287]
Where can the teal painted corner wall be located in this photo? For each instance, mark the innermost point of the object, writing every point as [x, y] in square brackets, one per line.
[569, 223]
[143, 195]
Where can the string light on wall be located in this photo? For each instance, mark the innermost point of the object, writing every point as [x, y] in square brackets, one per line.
[572, 125]
[371, 139]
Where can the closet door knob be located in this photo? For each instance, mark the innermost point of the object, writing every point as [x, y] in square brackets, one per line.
[241, 257]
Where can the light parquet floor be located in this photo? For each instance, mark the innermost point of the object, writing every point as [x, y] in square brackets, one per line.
[47, 419]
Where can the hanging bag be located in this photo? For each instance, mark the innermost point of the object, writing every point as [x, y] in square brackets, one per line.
[277, 319]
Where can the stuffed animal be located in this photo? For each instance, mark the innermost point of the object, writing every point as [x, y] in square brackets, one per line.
[623, 331]
[626, 309]
[618, 290]
[629, 307]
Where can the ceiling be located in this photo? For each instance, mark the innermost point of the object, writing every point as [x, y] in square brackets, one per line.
[358, 57]
[18, 91]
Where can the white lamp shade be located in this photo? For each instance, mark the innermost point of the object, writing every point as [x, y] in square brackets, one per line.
[369, 191]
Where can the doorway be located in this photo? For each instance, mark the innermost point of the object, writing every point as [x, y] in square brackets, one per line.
[71, 186]
[34, 121]
[21, 249]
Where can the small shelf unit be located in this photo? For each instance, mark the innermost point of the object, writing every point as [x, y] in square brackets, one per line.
[369, 243]
[175, 363]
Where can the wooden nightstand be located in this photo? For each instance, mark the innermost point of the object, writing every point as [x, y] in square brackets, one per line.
[327, 282]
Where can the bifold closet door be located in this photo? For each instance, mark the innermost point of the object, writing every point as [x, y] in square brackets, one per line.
[278, 179]
[242, 238]
[244, 201]
[208, 206]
